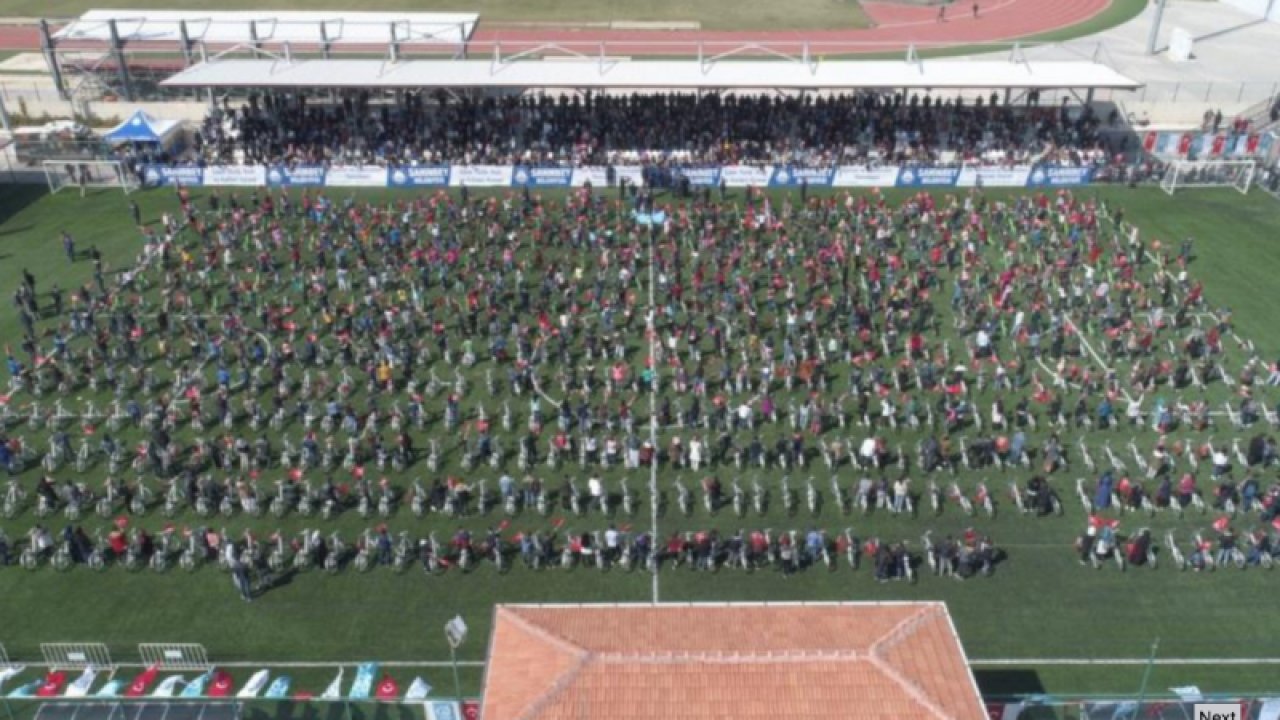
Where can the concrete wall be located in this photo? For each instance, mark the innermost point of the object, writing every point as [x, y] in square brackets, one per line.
[1257, 8]
[47, 103]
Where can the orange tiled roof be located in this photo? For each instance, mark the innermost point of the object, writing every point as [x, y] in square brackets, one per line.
[893, 661]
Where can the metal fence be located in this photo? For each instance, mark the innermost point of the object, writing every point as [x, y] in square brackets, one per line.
[1249, 708]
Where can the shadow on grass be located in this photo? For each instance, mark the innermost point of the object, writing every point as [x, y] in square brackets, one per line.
[1008, 682]
[14, 199]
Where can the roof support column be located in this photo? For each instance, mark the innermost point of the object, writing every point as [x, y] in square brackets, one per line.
[186, 43]
[51, 59]
[117, 50]
[253, 38]
[395, 44]
[324, 40]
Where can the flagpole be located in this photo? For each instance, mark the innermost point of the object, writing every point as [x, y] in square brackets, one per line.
[457, 686]
[1146, 675]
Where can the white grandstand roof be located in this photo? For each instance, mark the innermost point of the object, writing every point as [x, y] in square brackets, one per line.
[295, 27]
[672, 74]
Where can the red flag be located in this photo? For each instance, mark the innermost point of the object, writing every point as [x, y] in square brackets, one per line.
[53, 683]
[221, 685]
[1184, 144]
[1149, 142]
[387, 689]
[1219, 143]
[1251, 145]
[142, 682]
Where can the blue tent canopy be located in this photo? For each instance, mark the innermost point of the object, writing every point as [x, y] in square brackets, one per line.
[142, 127]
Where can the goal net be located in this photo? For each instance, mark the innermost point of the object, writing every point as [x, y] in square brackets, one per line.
[84, 174]
[1181, 174]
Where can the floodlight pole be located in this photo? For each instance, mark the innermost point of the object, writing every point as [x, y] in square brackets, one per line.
[1155, 28]
[117, 49]
[51, 59]
[4, 118]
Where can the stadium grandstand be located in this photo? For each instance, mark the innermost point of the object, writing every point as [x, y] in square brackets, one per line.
[584, 338]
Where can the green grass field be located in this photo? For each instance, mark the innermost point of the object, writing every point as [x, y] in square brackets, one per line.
[1040, 604]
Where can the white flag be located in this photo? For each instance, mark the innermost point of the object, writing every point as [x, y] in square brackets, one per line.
[334, 691]
[80, 687]
[418, 690]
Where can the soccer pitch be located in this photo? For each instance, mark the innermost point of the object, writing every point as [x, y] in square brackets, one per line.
[1040, 606]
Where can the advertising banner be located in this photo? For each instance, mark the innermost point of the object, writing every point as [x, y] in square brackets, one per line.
[993, 176]
[299, 176]
[1054, 176]
[700, 176]
[597, 175]
[356, 176]
[541, 176]
[918, 177]
[745, 175]
[854, 176]
[480, 175]
[787, 176]
[235, 175]
[190, 175]
[410, 176]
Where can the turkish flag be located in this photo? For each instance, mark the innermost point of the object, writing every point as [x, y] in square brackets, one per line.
[221, 684]
[1219, 143]
[1184, 144]
[387, 689]
[1251, 145]
[53, 683]
[1149, 142]
[142, 682]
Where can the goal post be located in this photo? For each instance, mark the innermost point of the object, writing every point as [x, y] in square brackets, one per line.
[84, 174]
[1182, 174]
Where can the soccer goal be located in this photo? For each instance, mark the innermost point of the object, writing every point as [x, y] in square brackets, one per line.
[84, 174]
[1181, 174]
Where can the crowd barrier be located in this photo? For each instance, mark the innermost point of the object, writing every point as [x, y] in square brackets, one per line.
[1131, 709]
[477, 176]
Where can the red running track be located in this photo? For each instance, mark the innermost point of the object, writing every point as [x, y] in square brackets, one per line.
[896, 27]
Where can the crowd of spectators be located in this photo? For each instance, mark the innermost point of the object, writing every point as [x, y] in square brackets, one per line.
[853, 129]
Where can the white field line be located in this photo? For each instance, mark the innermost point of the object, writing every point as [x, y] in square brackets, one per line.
[1124, 661]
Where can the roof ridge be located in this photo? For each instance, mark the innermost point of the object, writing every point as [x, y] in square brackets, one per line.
[726, 656]
[581, 656]
[900, 632]
[904, 628]
[915, 691]
[536, 629]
